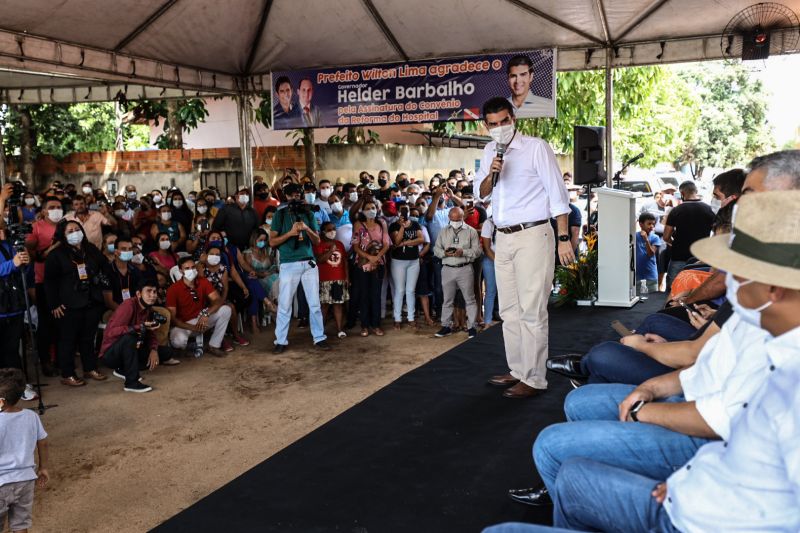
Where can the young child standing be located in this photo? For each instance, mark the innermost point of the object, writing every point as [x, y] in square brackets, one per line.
[21, 433]
[334, 279]
[647, 244]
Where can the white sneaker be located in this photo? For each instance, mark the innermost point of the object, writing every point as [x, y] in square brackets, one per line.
[122, 376]
[29, 394]
[171, 362]
[341, 334]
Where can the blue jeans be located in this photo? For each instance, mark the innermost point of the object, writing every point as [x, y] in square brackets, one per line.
[594, 430]
[671, 328]
[291, 274]
[613, 362]
[491, 289]
[404, 282]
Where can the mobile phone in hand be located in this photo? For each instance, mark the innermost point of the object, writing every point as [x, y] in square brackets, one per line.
[621, 330]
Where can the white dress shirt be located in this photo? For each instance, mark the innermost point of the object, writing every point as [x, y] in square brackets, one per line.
[487, 231]
[729, 370]
[530, 187]
[752, 481]
[534, 106]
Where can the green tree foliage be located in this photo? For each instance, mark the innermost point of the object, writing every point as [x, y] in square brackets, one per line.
[732, 126]
[187, 113]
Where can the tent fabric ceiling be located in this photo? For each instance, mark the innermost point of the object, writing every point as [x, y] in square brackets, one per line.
[230, 46]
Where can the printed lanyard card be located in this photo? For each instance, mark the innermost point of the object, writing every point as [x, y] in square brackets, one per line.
[82, 273]
[126, 294]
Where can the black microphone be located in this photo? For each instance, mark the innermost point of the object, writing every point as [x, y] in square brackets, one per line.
[501, 150]
[634, 159]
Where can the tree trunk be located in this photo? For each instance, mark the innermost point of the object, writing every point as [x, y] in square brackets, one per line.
[27, 140]
[175, 132]
[310, 151]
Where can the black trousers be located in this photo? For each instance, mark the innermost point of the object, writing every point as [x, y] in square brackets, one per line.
[369, 296]
[47, 333]
[124, 357]
[11, 329]
[77, 329]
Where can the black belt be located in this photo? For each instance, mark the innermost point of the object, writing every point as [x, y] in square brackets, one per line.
[457, 266]
[519, 227]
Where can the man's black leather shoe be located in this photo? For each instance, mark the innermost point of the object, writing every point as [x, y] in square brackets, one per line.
[567, 365]
[537, 496]
[279, 348]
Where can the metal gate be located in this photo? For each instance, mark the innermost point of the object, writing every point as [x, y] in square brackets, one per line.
[227, 182]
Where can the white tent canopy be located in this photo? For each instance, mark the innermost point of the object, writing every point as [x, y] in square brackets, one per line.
[210, 47]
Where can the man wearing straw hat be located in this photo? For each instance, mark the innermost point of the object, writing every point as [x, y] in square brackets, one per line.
[749, 479]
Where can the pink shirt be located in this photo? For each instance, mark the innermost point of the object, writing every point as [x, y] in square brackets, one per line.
[362, 237]
[40, 239]
[93, 227]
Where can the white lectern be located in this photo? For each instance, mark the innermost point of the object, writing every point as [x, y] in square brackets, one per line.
[616, 260]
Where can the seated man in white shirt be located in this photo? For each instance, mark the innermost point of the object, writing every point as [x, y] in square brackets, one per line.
[749, 480]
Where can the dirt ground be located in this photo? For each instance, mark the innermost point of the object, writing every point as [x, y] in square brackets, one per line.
[126, 462]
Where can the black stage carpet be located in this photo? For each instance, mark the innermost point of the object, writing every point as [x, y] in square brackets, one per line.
[434, 451]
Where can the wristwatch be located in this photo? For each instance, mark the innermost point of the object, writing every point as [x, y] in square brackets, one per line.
[563, 238]
[634, 412]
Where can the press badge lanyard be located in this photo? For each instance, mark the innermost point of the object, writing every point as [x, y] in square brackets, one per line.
[126, 289]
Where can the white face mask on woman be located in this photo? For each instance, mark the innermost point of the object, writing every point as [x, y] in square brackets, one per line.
[214, 260]
[370, 213]
[164, 245]
[75, 238]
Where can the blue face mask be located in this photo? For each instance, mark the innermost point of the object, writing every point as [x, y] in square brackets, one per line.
[261, 244]
[111, 248]
[414, 219]
[215, 244]
[126, 256]
[226, 241]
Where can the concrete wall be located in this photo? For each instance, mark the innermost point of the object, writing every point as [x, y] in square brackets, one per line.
[221, 129]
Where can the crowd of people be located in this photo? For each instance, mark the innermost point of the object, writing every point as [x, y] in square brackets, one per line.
[690, 422]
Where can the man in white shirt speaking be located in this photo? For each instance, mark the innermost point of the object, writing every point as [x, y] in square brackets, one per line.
[528, 192]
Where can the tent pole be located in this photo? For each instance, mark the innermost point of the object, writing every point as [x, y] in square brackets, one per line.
[609, 116]
[2, 160]
[243, 104]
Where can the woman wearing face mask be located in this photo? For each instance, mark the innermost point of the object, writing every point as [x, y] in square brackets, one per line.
[75, 277]
[266, 220]
[181, 213]
[202, 209]
[425, 278]
[258, 256]
[164, 258]
[165, 223]
[406, 238]
[196, 242]
[28, 210]
[239, 290]
[370, 242]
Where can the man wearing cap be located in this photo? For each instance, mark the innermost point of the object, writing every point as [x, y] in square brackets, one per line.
[684, 408]
[237, 220]
[294, 230]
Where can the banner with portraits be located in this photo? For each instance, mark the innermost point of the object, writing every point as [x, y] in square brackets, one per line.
[438, 90]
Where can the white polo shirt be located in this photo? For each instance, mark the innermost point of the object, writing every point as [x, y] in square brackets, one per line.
[530, 187]
[750, 481]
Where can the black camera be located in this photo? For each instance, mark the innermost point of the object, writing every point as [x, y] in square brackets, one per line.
[299, 207]
[158, 318]
[17, 229]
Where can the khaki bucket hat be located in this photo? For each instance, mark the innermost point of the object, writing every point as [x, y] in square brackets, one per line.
[764, 245]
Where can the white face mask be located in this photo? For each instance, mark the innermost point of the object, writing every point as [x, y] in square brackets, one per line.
[751, 316]
[353, 197]
[502, 134]
[137, 259]
[412, 198]
[55, 215]
[119, 213]
[268, 222]
[132, 195]
[164, 245]
[166, 216]
[324, 193]
[190, 274]
[30, 201]
[336, 207]
[716, 205]
[75, 238]
[243, 199]
[177, 203]
[310, 197]
[157, 198]
[87, 190]
[214, 260]
[456, 224]
[370, 213]
[202, 209]
[330, 234]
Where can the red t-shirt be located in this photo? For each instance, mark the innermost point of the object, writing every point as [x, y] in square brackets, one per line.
[179, 296]
[261, 205]
[41, 238]
[334, 269]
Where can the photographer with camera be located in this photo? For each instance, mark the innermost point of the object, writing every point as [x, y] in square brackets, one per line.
[75, 278]
[130, 341]
[293, 232]
[12, 300]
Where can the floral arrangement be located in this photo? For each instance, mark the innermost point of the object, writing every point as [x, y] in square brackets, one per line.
[578, 281]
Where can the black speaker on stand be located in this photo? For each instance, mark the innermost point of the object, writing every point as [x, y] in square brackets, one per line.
[589, 161]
